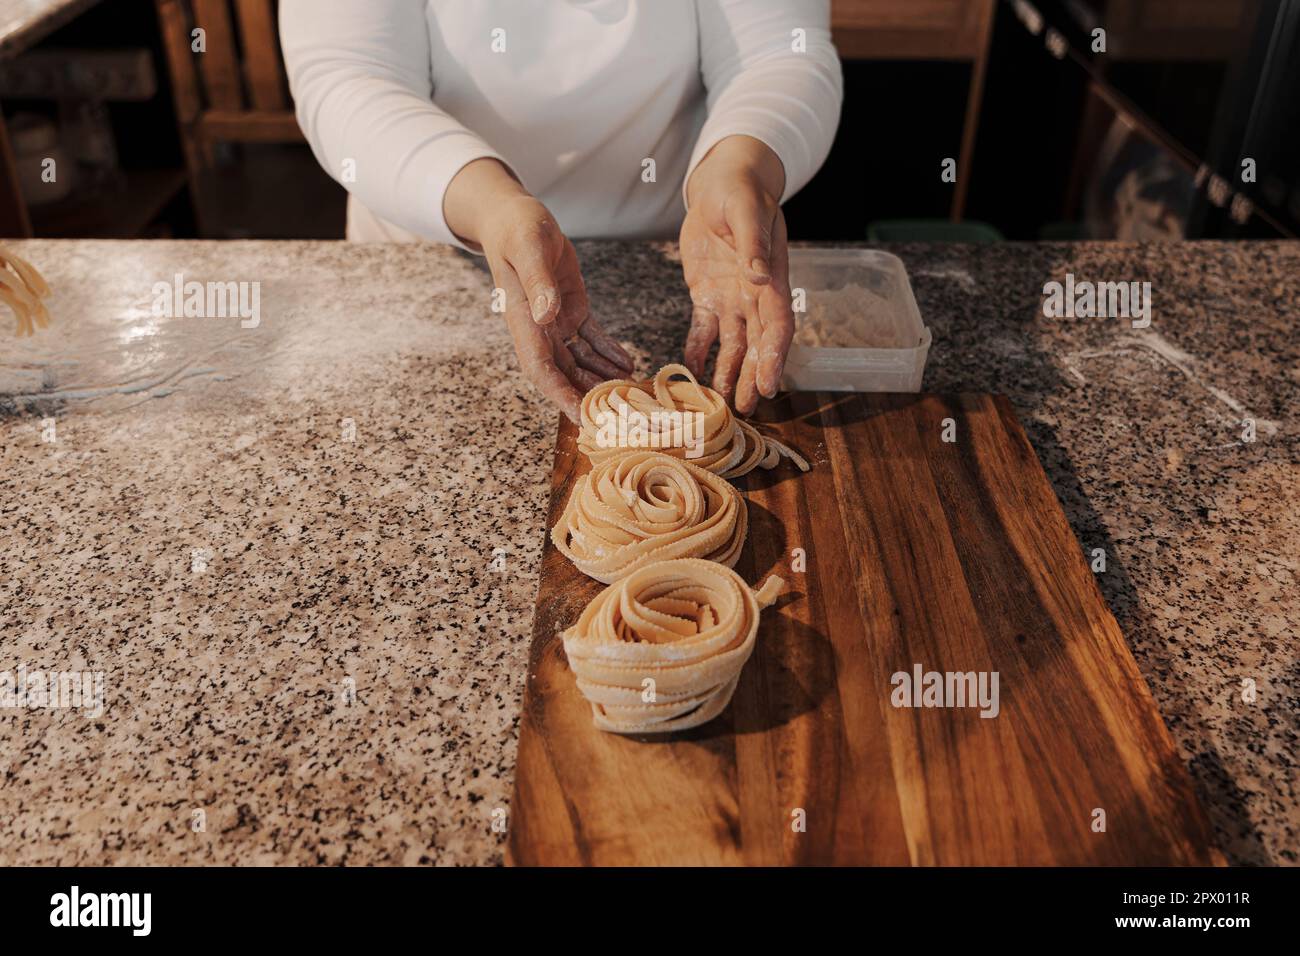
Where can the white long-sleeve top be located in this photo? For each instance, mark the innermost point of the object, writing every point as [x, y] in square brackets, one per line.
[575, 96]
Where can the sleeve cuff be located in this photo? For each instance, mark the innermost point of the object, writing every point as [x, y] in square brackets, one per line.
[778, 141]
[445, 159]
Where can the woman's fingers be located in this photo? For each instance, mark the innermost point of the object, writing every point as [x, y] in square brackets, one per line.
[591, 360]
[750, 214]
[746, 383]
[737, 270]
[574, 309]
[536, 351]
[604, 344]
[546, 307]
[529, 251]
[776, 317]
[773, 343]
[700, 339]
[589, 343]
[746, 392]
[731, 354]
[565, 360]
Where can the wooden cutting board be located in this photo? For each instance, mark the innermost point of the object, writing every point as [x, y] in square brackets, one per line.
[954, 556]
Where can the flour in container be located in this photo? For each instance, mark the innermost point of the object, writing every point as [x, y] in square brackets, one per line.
[852, 317]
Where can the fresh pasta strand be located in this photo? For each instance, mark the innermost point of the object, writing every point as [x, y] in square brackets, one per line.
[662, 411]
[22, 288]
[686, 625]
[639, 507]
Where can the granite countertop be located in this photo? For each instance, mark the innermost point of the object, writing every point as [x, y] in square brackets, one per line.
[303, 555]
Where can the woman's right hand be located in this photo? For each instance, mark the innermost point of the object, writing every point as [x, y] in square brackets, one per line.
[562, 350]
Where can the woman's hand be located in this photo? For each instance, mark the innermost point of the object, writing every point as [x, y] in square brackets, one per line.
[736, 262]
[562, 350]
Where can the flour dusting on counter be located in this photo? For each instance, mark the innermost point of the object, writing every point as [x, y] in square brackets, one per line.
[356, 490]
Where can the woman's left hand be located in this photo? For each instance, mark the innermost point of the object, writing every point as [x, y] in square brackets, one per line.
[736, 262]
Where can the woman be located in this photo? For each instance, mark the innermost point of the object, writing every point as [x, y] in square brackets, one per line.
[504, 126]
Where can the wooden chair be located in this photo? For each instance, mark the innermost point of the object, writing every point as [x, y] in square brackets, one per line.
[235, 91]
[934, 30]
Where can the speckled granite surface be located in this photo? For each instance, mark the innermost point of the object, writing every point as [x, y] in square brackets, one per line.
[400, 560]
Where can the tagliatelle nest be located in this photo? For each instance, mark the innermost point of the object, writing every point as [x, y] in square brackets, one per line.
[661, 650]
[639, 507]
[675, 415]
[22, 288]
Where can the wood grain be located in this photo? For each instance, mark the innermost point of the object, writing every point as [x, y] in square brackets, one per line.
[951, 555]
[262, 67]
[251, 126]
[219, 63]
[911, 29]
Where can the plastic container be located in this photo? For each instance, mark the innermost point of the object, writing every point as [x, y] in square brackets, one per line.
[859, 329]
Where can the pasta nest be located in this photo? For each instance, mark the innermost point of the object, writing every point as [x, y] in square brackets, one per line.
[661, 650]
[675, 415]
[640, 507]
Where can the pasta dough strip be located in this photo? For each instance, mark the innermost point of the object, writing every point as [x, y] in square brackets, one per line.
[639, 507]
[687, 625]
[22, 288]
[728, 446]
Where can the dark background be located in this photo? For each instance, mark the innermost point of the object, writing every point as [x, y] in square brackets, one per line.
[1034, 149]
[1198, 97]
